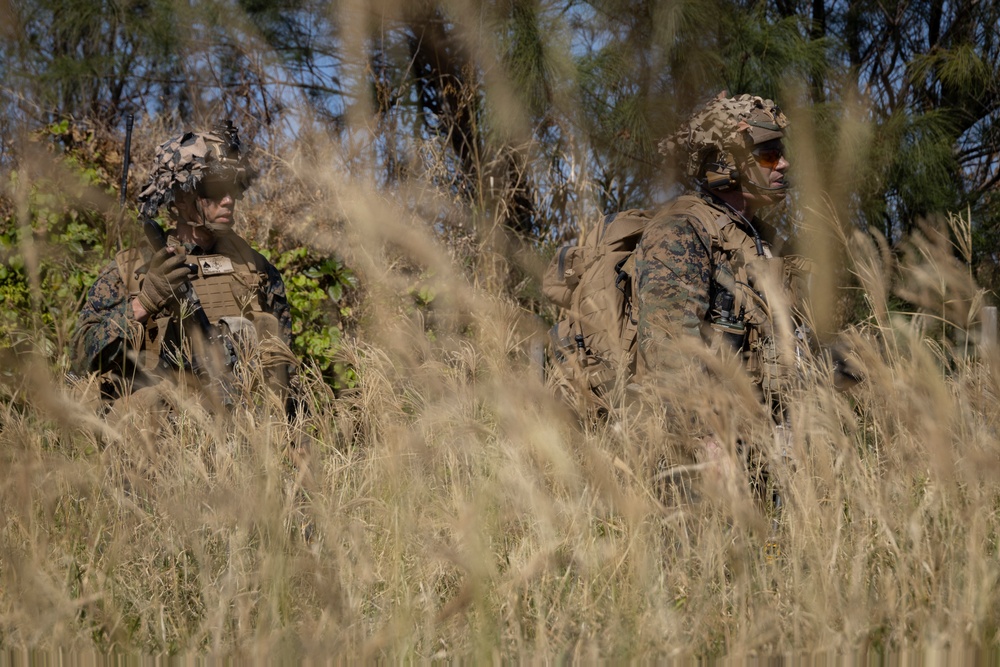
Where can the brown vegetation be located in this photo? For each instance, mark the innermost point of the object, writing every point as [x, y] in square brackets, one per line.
[434, 499]
[448, 505]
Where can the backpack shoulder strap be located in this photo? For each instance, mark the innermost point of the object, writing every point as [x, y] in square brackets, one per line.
[711, 219]
[618, 230]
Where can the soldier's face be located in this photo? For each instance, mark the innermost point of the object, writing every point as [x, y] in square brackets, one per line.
[218, 211]
[213, 206]
[218, 203]
[771, 165]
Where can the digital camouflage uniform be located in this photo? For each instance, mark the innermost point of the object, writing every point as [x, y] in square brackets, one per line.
[679, 267]
[132, 355]
[107, 329]
[706, 273]
[674, 272]
[684, 263]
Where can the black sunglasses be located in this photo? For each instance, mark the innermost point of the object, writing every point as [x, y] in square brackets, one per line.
[218, 190]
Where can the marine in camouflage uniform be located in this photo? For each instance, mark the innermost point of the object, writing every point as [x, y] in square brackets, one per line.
[696, 259]
[706, 272]
[130, 329]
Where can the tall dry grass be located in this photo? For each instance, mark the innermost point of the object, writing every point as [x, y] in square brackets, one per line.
[450, 506]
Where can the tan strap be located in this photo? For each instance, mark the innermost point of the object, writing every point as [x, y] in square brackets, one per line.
[129, 261]
[712, 220]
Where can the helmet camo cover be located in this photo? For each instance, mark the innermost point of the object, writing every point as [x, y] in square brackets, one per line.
[721, 125]
[184, 161]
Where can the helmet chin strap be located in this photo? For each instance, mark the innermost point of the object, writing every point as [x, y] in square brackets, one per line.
[201, 211]
[216, 229]
[198, 220]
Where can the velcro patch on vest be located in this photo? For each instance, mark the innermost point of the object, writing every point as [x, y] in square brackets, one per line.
[215, 265]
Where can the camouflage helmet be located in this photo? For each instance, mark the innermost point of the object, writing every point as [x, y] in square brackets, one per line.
[723, 130]
[183, 162]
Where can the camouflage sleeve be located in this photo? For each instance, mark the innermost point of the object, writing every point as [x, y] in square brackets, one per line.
[674, 272]
[106, 322]
[276, 302]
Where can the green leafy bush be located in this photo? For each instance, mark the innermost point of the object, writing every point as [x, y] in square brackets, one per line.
[51, 253]
[318, 289]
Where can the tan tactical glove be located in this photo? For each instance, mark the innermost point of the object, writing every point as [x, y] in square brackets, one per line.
[167, 272]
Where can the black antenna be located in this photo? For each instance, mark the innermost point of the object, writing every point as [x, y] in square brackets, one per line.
[129, 118]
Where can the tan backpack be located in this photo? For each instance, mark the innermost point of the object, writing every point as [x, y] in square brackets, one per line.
[593, 345]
